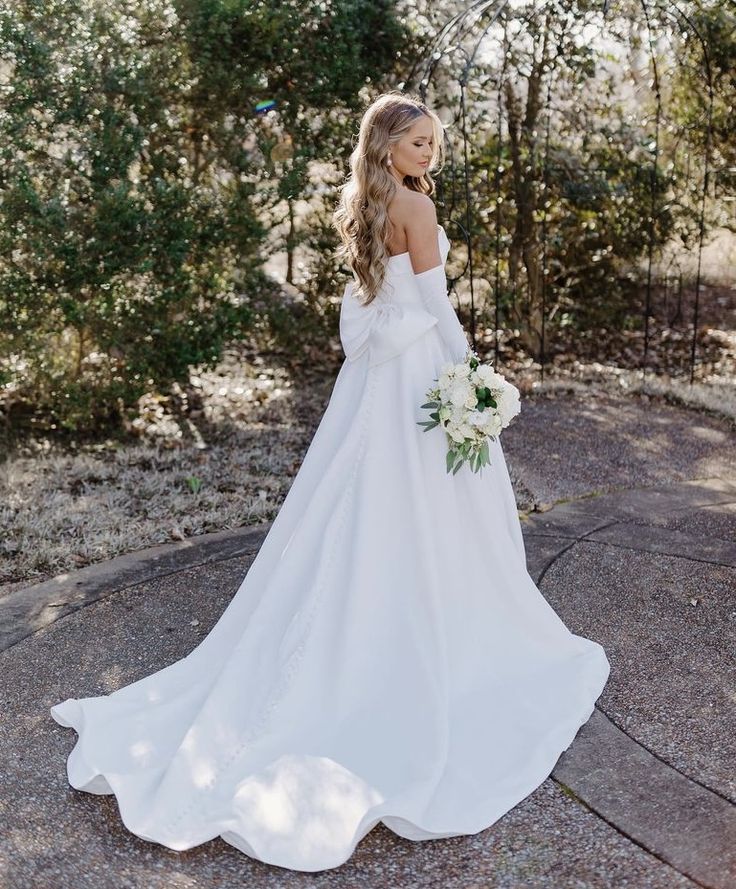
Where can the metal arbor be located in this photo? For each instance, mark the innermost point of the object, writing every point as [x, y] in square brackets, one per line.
[483, 41]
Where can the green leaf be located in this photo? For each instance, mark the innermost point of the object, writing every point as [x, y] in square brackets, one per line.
[194, 483]
[450, 459]
[431, 404]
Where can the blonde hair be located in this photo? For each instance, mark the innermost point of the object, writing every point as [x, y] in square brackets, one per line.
[361, 217]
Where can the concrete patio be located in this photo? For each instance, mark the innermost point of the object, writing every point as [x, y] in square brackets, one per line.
[646, 795]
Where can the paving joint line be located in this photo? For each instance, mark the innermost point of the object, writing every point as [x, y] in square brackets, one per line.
[249, 551]
[573, 542]
[657, 552]
[609, 522]
[624, 490]
[657, 756]
[632, 839]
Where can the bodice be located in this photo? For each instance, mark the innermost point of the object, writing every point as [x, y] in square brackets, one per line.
[394, 319]
[400, 264]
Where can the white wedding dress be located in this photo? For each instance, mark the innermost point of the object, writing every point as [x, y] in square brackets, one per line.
[387, 657]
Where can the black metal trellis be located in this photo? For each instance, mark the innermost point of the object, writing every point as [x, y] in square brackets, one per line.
[652, 187]
[497, 177]
[469, 28]
[545, 205]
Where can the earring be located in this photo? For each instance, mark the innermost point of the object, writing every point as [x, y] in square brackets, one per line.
[388, 162]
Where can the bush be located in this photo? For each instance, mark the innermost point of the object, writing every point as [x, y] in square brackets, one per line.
[137, 178]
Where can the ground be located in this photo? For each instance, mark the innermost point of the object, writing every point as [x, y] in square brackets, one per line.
[229, 459]
[628, 507]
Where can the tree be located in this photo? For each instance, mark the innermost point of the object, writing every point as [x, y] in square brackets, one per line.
[136, 174]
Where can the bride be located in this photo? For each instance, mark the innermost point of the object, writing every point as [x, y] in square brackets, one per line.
[387, 657]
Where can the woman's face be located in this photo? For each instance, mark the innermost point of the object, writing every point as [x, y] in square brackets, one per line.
[410, 156]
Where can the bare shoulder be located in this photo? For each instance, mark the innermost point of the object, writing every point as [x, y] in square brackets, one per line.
[420, 225]
[407, 205]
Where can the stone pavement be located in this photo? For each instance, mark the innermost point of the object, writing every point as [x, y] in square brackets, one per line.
[646, 795]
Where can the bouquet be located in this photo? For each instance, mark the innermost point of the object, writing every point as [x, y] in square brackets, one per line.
[473, 404]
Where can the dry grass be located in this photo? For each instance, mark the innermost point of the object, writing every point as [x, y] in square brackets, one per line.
[228, 464]
[220, 457]
[717, 398]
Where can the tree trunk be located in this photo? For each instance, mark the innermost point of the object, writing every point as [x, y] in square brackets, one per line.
[525, 266]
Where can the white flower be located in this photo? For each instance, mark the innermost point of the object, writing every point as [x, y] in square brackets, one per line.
[496, 383]
[482, 373]
[485, 374]
[460, 392]
[471, 401]
[463, 423]
[458, 415]
[445, 381]
[494, 424]
[508, 403]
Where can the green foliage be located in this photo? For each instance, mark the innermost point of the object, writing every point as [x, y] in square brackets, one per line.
[587, 177]
[141, 187]
[711, 48]
[194, 483]
[137, 179]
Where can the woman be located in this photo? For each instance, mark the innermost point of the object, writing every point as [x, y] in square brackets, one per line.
[387, 657]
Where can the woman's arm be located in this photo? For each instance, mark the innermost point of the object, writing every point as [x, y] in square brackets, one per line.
[421, 233]
[429, 273]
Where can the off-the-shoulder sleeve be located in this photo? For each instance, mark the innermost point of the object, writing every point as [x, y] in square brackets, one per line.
[383, 329]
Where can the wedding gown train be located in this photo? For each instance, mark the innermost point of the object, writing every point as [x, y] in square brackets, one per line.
[387, 657]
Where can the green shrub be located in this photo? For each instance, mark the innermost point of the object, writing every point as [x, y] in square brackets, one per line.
[137, 182]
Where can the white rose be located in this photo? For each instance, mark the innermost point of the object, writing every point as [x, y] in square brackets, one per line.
[458, 414]
[489, 376]
[471, 401]
[482, 373]
[508, 403]
[494, 424]
[459, 393]
[444, 381]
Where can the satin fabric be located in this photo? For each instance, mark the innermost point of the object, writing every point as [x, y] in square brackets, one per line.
[387, 657]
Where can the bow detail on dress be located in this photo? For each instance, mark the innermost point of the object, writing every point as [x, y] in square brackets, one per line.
[382, 328]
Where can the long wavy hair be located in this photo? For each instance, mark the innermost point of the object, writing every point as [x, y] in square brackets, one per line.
[361, 216]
